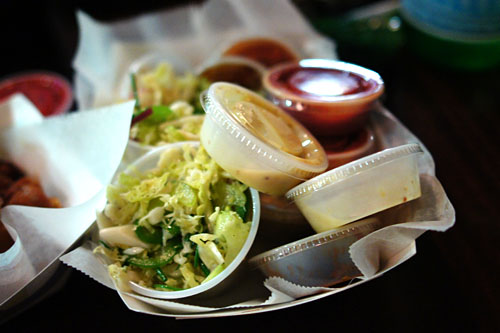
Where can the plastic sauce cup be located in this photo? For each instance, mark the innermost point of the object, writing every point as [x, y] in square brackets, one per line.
[329, 97]
[49, 92]
[265, 50]
[359, 188]
[343, 149]
[319, 260]
[242, 71]
[257, 142]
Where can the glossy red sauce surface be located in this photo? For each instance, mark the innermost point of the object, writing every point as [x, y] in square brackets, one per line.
[265, 51]
[345, 143]
[50, 94]
[320, 83]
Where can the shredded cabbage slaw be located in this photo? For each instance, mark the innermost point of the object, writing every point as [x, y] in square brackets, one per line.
[175, 226]
[173, 101]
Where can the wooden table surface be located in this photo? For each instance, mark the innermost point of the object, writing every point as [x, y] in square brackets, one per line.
[450, 285]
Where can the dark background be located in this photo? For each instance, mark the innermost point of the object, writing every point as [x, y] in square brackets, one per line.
[451, 284]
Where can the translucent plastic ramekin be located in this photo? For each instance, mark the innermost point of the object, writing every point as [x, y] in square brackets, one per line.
[143, 64]
[223, 280]
[359, 188]
[239, 70]
[321, 260]
[344, 149]
[146, 63]
[281, 221]
[250, 157]
[50, 92]
[329, 97]
[268, 51]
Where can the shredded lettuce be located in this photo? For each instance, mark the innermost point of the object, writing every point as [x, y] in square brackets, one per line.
[185, 211]
[172, 103]
[231, 231]
[208, 251]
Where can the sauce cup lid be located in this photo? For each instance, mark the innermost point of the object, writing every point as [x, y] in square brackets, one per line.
[351, 169]
[307, 79]
[264, 130]
[362, 227]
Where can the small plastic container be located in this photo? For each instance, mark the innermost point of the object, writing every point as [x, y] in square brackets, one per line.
[329, 97]
[49, 92]
[257, 142]
[242, 71]
[221, 281]
[265, 50]
[341, 150]
[281, 220]
[359, 188]
[136, 149]
[146, 63]
[321, 260]
[280, 210]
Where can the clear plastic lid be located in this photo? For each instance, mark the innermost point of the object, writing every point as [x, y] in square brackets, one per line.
[264, 130]
[350, 169]
[363, 227]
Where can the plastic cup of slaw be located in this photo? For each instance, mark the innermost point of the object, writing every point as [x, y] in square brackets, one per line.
[224, 279]
[146, 63]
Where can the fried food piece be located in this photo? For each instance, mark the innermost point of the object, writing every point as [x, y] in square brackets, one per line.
[9, 173]
[28, 192]
[18, 190]
[5, 183]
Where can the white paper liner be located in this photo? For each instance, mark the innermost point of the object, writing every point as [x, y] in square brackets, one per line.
[16, 269]
[18, 111]
[194, 33]
[74, 156]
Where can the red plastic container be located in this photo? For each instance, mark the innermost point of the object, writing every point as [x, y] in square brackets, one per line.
[49, 92]
[329, 97]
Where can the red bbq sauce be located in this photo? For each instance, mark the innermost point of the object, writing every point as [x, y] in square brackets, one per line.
[329, 97]
[266, 51]
[50, 93]
[347, 148]
[320, 84]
